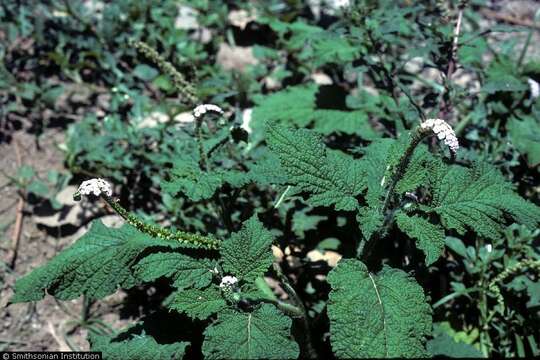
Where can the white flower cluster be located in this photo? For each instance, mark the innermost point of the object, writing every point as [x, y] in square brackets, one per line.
[534, 87]
[228, 282]
[96, 187]
[443, 131]
[204, 108]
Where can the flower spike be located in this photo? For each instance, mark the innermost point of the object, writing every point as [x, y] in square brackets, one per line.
[204, 108]
[443, 131]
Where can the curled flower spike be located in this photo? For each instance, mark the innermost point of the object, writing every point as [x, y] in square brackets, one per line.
[95, 187]
[443, 131]
[228, 282]
[204, 108]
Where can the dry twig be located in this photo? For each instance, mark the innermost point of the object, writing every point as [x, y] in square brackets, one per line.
[16, 235]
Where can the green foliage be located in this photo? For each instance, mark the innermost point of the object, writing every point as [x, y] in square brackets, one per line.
[95, 266]
[375, 316]
[478, 199]
[184, 271]
[429, 237]
[312, 139]
[187, 177]
[330, 178]
[525, 136]
[502, 76]
[297, 106]
[198, 304]
[445, 345]
[261, 334]
[247, 253]
[136, 347]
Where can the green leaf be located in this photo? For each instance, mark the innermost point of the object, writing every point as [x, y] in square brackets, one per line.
[185, 271]
[502, 75]
[430, 237]
[297, 106]
[302, 222]
[370, 219]
[525, 136]
[456, 245]
[247, 254]
[145, 72]
[443, 344]
[478, 199]
[198, 304]
[137, 347]
[374, 162]
[261, 334]
[95, 266]
[375, 316]
[331, 178]
[418, 171]
[189, 179]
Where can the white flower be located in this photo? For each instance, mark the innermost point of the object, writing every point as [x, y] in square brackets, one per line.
[204, 108]
[443, 131]
[534, 87]
[95, 187]
[228, 282]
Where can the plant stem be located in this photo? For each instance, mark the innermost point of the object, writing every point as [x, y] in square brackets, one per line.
[366, 245]
[446, 103]
[416, 138]
[300, 305]
[203, 158]
[192, 240]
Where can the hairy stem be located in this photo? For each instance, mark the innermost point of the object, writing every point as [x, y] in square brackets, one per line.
[311, 353]
[203, 158]
[416, 138]
[193, 240]
[366, 245]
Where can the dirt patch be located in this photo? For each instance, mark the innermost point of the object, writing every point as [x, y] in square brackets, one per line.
[47, 325]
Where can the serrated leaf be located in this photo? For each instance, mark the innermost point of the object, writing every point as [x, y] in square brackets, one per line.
[374, 161]
[478, 199]
[267, 171]
[247, 254]
[430, 237]
[198, 304]
[143, 347]
[330, 178]
[185, 271]
[95, 266]
[186, 177]
[418, 171]
[370, 219]
[375, 316]
[261, 334]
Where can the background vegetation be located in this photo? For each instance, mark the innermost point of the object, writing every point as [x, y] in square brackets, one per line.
[80, 101]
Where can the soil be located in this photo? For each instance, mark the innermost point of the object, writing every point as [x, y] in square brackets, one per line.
[45, 325]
